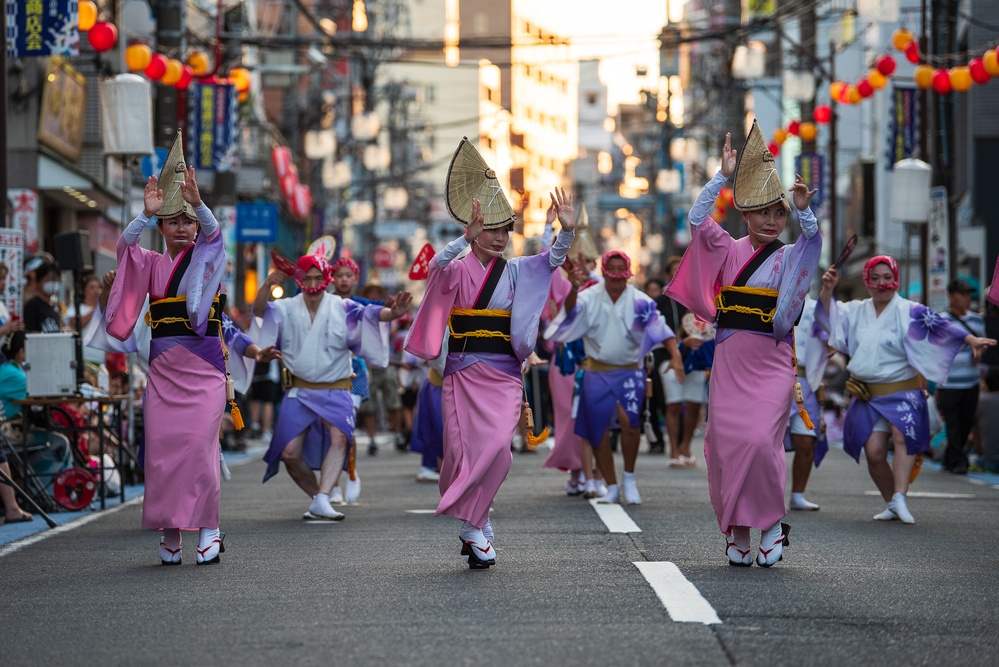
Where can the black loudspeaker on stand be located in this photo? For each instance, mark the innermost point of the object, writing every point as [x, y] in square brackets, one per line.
[72, 251]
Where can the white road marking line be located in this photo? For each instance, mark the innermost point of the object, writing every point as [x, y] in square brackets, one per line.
[614, 517]
[682, 600]
[72, 525]
[420, 511]
[929, 494]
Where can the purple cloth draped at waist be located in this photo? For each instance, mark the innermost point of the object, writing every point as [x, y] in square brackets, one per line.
[457, 361]
[428, 424]
[905, 410]
[602, 391]
[208, 348]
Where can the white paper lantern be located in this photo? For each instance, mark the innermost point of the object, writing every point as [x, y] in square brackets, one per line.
[910, 190]
[126, 115]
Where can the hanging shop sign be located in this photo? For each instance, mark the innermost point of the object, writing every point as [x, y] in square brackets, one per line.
[40, 28]
[212, 110]
[64, 103]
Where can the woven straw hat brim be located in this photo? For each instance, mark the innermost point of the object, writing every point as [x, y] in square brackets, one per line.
[171, 176]
[757, 184]
[468, 177]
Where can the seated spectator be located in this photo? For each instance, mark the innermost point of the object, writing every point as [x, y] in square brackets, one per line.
[39, 313]
[987, 425]
[13, 386]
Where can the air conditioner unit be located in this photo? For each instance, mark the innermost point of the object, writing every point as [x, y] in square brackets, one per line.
[50, 364]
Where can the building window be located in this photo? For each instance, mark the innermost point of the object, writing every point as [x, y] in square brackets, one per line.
[592, 98]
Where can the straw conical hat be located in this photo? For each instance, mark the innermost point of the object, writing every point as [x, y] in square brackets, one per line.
[171, 176]
[470, 177]
[582, 242]
[757, 184]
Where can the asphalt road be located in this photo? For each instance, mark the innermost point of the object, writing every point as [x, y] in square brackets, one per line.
[387, 585]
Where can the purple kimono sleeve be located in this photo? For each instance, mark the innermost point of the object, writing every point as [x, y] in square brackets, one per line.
[931, 342]
[651, 323]
[801, 261]
[240, 367]
[367, 336]
[534, 280]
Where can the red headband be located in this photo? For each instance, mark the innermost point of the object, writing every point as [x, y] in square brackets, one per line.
[306, 262]
[608, 256]
[881, 259]
[349, 263]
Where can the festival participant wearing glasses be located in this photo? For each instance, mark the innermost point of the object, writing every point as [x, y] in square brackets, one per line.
[763, 285]
[619, 324]
[893, 345]
[185, 394]
[490, 308]
[316, 332]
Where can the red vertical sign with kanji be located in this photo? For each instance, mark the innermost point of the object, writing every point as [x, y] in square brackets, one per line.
[26, 216]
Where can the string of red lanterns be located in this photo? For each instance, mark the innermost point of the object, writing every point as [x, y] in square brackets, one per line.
[103, 36]
[942, 80]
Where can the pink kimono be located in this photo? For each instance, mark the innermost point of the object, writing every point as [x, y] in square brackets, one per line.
[565, 455]
[185, 393]
[482, 392]
[752, 372]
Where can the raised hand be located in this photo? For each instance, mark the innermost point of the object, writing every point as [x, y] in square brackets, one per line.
[152, 197]
[550, 215]
[830, 278]
[401, 303]
[276, 278]
[563, 209]
[477, 223]
[189, 188]
[729, 157]
[800, 193]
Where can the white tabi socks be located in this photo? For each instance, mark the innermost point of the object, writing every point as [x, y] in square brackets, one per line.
[170, 546]
[210, 545]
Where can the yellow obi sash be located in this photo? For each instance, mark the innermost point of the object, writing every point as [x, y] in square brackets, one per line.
[747, 308]
[479, 330]
[168, 317]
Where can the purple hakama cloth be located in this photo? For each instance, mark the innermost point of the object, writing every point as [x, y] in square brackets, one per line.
[428, 424]
[749, 401]
[905, 410]
[305, 412]
[565, 455]
[482, 407]
[602, 391]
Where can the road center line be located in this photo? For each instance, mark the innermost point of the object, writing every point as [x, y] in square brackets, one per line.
[614, 517]
[929, 494]
[682, 600]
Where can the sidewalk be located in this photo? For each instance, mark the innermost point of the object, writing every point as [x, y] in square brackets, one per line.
[253, 453]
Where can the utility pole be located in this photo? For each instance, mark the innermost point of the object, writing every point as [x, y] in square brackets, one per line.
[169, 36]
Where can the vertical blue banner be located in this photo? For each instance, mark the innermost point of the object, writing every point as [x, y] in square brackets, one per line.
[211, 110]
[811, 166]
[40, 28]
[903, 124]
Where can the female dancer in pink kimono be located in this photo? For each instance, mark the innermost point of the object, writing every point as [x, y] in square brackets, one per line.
[754, 289]
[186, 391]
[493, 326]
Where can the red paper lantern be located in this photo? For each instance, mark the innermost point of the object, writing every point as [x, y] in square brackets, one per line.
[885, 65]
[103, 36]
[301, 202]
[185, 78]
[773, 148]
[288, 184]
[793, 127]
[157, 67]
[865, 88]
[912, 52]
[822, 114]
[281, 157]
[941, 82]
[978, 73]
